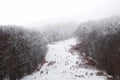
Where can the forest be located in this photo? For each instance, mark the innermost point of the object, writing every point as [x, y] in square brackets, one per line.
[23, 50]
[100, 40]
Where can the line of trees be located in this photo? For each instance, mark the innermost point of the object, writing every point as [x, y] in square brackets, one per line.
[57, 32]
[21, 51]
[101, 41]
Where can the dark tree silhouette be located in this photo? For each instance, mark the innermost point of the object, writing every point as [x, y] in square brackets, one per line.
[102, 43]
[20, 52]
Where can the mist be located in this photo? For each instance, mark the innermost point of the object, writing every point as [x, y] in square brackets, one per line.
[36, 14]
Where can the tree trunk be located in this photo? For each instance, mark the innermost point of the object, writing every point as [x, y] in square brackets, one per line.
[12, 77]
[1, 77]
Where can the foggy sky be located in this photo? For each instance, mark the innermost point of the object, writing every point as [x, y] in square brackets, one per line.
[38, 12]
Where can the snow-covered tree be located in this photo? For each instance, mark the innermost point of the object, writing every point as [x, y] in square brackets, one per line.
[101, 41]
[20, 52]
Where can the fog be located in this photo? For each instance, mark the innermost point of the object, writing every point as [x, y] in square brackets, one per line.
[40, 13]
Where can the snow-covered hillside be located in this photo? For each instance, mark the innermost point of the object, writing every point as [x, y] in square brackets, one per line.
[62, 65]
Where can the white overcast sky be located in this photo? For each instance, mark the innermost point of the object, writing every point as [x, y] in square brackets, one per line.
[26, 12]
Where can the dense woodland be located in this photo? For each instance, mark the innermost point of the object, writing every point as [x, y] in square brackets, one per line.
[101, 41]
[21, 51]
[57, 32]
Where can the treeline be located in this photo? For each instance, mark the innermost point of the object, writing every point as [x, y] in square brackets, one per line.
[57, 32]
[101, 41]
[21, 51]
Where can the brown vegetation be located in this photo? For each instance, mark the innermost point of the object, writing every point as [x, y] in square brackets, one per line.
[20, 52]
[102, 45]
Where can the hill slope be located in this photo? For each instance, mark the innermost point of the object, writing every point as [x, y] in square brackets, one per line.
[62, 65]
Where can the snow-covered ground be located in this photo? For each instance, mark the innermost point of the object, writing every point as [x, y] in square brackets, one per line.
[62, 65]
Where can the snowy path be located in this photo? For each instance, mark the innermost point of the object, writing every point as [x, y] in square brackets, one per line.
[61, 65]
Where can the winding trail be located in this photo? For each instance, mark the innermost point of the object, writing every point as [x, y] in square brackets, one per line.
[62, 65]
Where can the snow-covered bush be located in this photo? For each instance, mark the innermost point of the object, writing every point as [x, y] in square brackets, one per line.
[101, 41]
[21, 51]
